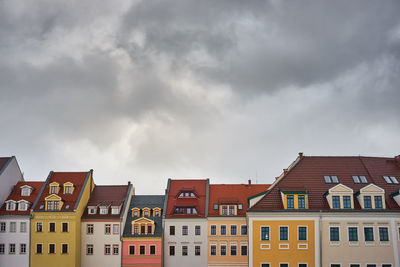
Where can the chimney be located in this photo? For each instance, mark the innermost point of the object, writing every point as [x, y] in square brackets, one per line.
[285, 171]
[249, 182]
[129, 182]
[397, 159]
[300, 155]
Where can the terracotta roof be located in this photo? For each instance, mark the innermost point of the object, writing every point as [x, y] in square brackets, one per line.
[198, 187]
[309, 171]
[233, 194]
[106, 195]
[76, 178]
[3, 162]
[16, 196]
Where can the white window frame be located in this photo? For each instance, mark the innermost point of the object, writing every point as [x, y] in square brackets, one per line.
[298, 228]
[288, 234]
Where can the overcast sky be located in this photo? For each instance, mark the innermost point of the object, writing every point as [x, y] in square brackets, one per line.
[226, 90]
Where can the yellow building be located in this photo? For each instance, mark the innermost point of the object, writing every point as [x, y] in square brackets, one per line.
[56, 219]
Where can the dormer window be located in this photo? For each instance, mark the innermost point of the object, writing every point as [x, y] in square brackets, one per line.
[156, 212]
[185, 210]
[10, 205]
[26, 190]
[240, 207]
[390, 179]
[371, 197]
[68, 188]
[340, 197]
[215, 206]
[103, 210]
[22, 205]
[359, 179]
[146, 212]
[91, 210]
[186, 194]
[115, 210]
[331, 179]
[294, 199]
[53, 188]
[378, 202]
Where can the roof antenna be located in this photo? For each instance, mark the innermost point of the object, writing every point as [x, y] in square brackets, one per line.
[256, 177]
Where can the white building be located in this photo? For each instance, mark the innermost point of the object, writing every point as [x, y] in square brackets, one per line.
[10, 174]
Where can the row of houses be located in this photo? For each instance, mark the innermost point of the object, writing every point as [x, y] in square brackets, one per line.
[321, 211]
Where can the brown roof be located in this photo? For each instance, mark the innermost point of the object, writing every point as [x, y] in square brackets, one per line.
[3, 162]
[308, 174]
[16, 196]
[106, 195]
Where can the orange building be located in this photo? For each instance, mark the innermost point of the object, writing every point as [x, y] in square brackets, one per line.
[227, 226]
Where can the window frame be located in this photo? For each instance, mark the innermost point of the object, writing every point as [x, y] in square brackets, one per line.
[387, 233]
[268, 230]
[331, 233]
[298, 232]
[280, 232]
[291, 198]
[91, 247]
[365, 234]
[349, 235]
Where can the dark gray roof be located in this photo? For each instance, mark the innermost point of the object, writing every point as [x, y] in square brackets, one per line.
[145, 201]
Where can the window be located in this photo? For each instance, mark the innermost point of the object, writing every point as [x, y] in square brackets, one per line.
[39, 227]
[103, 210]
[283, 265]
[89, 249]
[357, 179]
[233, 250]
[11, 249]
[213, 229]
[224, 210]
[136, 229]
[22, 227]
[172, 250]
[39, 248]
[243, 250]
[302, 202]
[107, 249]
[390, 179]
[25, 192]
[371, 265]
[22, 248]
[65, 227]
[92, 210]
[49, 205]
[135, 213]
[378, 202]
[215, 206]
[56, 205]
[336, 202]
[184, 230]
[346, 202]
[107, 229]
[152, 250]
[22, 206]
[265, 265]
[233, 229]
[2, 249]
[171, 230]
[197, 250]
[146, 213]
[53, 189]
[116, 229]
[89, 229]
[283, 233]
[142, 250]
[184, 250]
[302, 264]
[302, 233]
[52, 248]
[13, 227]
[367, 202]
[383, 234]
[2, 227]
[231, 210]
[197, 230]
[10, 205]
[240, 206]
[115, 249]
[223, 230]
[131, 250]
[243, 230]
[52, 227]
[149, 230]
[386, 265]
[369, 234]
[142, 229]
[290, 201]
[114, 210]
[265, 233]
[68, 190]
[331, 179]
[223, 250]
[353, 234]
[355, 265]
[213, 250]
[334, 234]
[157, 213]
[64, 248]
[335, 265]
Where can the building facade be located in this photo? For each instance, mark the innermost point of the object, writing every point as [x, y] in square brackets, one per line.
[143, 233]
[10, 174]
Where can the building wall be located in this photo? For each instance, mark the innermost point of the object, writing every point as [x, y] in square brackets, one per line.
[142, 260]
[191, 240]
[16, 238]
[9, 177]
[228, 240]
[99, 239]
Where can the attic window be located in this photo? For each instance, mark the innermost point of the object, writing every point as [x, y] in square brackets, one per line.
[115, 210]
[92, 210]
[331, 179]
[359, 179]
[68, 190]
[215, 206]
[10, 205]
[390, 179]
[187, 194]
[25, 192]
[103, 210]
[22, 205]
[240, 207]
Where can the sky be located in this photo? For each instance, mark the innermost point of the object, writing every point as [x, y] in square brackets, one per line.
[143, 91]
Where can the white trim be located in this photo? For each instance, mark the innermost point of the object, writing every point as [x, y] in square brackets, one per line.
[265, 246]
[284, 246]
[298, 226]
[302, 246]
[269, 233]
[288, 238]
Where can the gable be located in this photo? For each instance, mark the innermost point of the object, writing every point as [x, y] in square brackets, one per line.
[372, 188]
[341, 188]
[52, 197]
[143, 220]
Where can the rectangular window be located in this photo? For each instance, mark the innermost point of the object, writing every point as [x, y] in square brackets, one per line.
[213, 229]
[52, 248]
[115, 249]
[265, 233]
[378, 202]
[149, 229]
[369, 234]
[223, 230]
[2, 249]
[142, 250]
[233, 229]
[56, 205]
[335, 265]
[131, 250]
[65, 227]
[367, 202]
[346, 202]
[391, 179]
[107, 229]
[89, 249]
[336, 202]
[355, 265]
[13, 227]
[334, 234]
[302, 264]
[64, 248]
[11, 249]
[152, 250]
[52, 227]
[2, 227]
[331, 179]
[283, 233]
[39, 227]
[224, 210]
[223, 250]
[39, 248]
[107, 249]
[184, 250]
[136, 229]
[89, 229]
[213, 250]
[233, 250]
[383, 234]
[290, 201]
[184, 230]
[22, 227]
[197, 230]
[371, 265]
[215, 206]
[231, 210]
[197, 250]
[302, 233]
[116, 229]
[243, 230]
[171, 230]
[353, 234]
[49, 205]
[243, 250]
[265, 265]
[386, 265]
[302, 202]
[172, 250]
[283, 265]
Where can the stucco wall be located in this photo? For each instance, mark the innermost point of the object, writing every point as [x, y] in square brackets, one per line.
[137, 259]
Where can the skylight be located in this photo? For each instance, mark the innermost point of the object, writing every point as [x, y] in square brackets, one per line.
[390, 179]
[360, 179]
[331, 179]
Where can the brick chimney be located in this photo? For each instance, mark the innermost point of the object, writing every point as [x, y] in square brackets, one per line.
[397, 159]
[300, 155]
[285, 171]
[249, 182]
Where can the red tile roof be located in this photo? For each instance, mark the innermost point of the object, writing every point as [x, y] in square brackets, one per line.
[106, 195]
[198, 187]
[308, 174]
[16, 196]
[233, 194]
[76, 178]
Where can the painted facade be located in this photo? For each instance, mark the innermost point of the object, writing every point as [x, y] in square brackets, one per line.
[143, 233]
[10, 174]
[56, 219]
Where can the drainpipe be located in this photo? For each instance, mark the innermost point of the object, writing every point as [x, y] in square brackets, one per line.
[320, 238]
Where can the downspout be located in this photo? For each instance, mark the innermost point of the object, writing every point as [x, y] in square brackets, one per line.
[320, 238]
